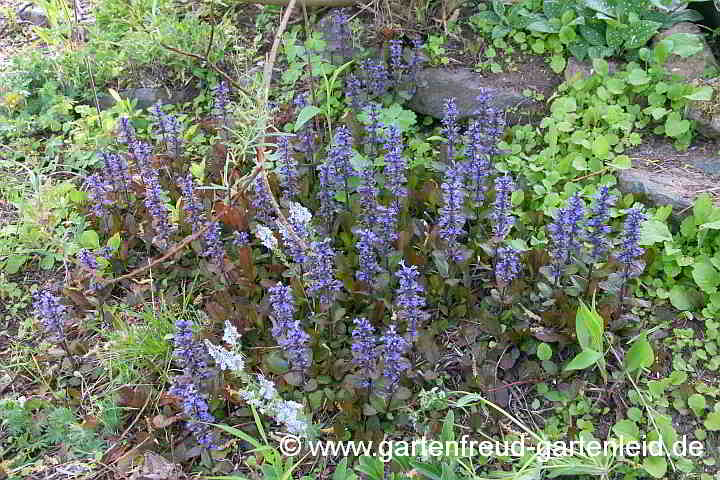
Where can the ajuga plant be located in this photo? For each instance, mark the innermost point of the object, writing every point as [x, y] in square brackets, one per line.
[345, 260]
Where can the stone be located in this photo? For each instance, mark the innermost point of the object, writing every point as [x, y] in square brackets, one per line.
[582, 69]
[657, 188]
[661, 175]
[35, 15]
[692, 67]
[436, 85]
[147, 97]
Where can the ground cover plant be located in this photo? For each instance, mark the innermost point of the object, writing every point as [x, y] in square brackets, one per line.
[303, 254]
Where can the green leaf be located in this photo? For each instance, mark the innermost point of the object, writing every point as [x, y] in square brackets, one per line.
[676, 126]
[601, 66]
[14, 263]
[638, 77]
[706, 276]
[710, 225]
[115, 241]
[712, 422]
[557, 63]
[697, 403]
[583, 360]
[685, 44]
[654, 231]
[622, 162]
[704, 94]
[372, 467]
[589, 326]
[543, 26]
[685, 298]
[544, 351]
[305, 115]
[276, 363]
[517, 197]
[640, 355]
[655, 466]
[703, 209]
[601, 146]
[89, 239]
[448, 430]
[627, 430]
[638, 33]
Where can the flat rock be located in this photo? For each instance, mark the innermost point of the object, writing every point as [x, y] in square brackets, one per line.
[436, 85]
[663, 176]
[147, 97]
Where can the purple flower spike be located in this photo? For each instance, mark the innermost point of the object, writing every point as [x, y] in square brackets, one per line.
[566, 233]
[295, 343]
[287, 168]
[286, 330]
[213, 244]
[321, 272]
[396, 59]
[477, 166]
[374, 129]
[355, 92]
[87, 259]
[283, 308]
[364, 350]
[395, 165]
[99, 188]
[451, 130]
[597, 224]
[155, 204]
[196, 409]
[410, 300]
[334, 174]
[51, 312]
[507, 265]
[116, 170]
[452, 218]
[220, 101]
[126, 132]
[368, 192]
[368, 266]
[340, 156]
[262, 202]
[241, 239]
[502, 217]
[378, 78]
[190, 354]
[386, 227]
[629, 248]
[191, 206]
[393, 348]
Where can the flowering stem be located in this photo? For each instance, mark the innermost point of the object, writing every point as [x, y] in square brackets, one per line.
[623, 291]
[589, 280]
